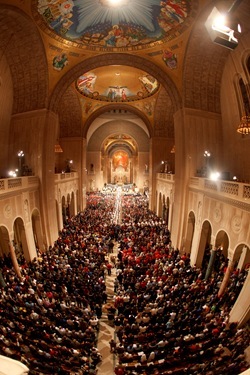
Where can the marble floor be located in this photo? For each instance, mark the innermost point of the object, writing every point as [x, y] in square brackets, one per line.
[106, 330]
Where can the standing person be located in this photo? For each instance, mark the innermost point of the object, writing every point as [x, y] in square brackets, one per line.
[112, 344]
[109, 268]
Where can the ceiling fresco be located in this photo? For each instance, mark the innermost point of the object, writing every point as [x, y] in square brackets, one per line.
[117, 84]
[131, 24]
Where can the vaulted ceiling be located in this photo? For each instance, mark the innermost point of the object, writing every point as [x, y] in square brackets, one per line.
[85, 58]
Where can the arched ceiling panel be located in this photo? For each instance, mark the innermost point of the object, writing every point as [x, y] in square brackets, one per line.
[164, 122]
[127, 24]
[204, 61]
[118, 127]
[70, 116]
[115, 59]
[21, 43]
[113, 109]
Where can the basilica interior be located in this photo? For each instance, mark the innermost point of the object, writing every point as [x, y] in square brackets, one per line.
[150, 97]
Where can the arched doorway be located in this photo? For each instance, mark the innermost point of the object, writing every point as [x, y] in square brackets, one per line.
[190, 232]
[222, 242]
[160, 206]
[205, 241]
[243, 256]
[4, 241]
[37, 230]
[64, 209]
[72, 205]
[20, 241]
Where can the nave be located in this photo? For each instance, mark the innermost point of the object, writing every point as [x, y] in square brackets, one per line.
[164, 316]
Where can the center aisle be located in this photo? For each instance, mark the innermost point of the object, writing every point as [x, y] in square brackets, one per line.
[106, 328]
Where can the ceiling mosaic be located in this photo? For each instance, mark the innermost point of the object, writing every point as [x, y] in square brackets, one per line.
[117, 83]
[124, 24]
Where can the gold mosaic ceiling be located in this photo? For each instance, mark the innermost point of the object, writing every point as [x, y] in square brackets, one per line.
[115, 24]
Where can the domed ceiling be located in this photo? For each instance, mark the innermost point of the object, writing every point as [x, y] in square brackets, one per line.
[115, 24]
[117, 83]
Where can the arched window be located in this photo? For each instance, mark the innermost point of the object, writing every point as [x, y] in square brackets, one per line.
[245, 97]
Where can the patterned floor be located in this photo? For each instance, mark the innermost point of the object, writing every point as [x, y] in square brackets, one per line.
[106, 331]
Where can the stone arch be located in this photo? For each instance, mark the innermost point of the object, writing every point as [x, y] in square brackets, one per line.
[70, 114]
[114, 106]
[246, 64]
[23, 48]
[20, 240]
[207, 60]
[222, 242]
[242, 256]
[114, 59]
[106, 129]
[4, 241]
[164, 112]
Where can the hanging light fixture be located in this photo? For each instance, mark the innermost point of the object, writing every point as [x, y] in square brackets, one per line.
[244, 126]
[58, 148]
[173, 150]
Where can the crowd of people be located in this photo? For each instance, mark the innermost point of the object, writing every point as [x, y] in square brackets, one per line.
[49, 319]
[168, 319]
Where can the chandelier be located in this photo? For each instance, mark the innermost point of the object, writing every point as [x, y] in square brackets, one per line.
[244, 126]
[58, 148]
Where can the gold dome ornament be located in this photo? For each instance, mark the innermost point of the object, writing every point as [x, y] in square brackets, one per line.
[244, 126]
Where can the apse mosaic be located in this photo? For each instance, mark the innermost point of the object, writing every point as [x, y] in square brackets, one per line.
[121, 24]
[117, 84]
[120, 159]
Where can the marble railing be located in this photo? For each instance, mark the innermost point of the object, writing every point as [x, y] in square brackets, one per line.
[65, 176]
[239, 191]
[9, 185]
[234, 190]
[166, 176]
[17, 184]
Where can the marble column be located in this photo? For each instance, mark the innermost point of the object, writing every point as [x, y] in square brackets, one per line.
[210, 263]
[226, 278]
[14, 260]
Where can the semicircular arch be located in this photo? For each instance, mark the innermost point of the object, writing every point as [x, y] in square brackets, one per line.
[28, 66]
[114, 59]
[113, 107]
[100, 134]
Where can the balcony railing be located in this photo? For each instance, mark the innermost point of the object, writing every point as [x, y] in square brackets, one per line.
[8, 185]
[65, 176]
[234, 190]
[166, 176]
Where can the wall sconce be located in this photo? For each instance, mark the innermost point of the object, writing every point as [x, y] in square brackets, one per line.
[214, 176]
[20, 155]
[13, 173]
[207, 156]
[164, 168]
[69, 163]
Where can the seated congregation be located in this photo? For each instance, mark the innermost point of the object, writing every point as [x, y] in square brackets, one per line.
[168, 319]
